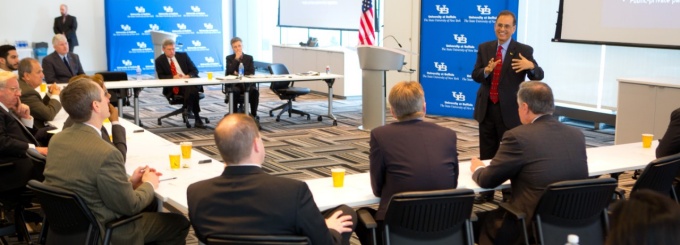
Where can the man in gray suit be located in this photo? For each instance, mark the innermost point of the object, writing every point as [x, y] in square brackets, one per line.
[532, 156]
[43, 109]
[62, 64]
[81, 161]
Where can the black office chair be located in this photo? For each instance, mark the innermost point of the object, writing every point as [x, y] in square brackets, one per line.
[68, 220]
[257, 240]
[111, 76]
[13, 198]
[286, 91]
[239, 98]
[570, 207]
[658, 175]
[178, 99]
[427, 217]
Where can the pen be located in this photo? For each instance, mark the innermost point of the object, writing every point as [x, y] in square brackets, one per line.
[168, 179]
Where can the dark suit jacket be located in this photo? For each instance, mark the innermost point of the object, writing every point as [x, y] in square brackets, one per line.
[509, 82]
[232, 65]
[42, 109]
[80, 161]
[68, 28]
[55, 69]
[14, 140]
[411, 156]
[247, 201]
[163, 68]
[670, 143]
[118, 135]
[532, 156]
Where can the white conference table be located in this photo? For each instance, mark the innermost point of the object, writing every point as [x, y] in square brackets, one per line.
[137, 84]
[357, 187]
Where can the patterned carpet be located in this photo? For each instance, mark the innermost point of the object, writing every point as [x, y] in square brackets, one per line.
[305, 149]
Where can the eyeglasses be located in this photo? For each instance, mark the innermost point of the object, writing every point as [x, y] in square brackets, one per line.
[12, 90]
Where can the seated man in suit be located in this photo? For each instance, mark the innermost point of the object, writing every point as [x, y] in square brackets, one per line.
[43, 109]
[233, 61]
[532, 156]
[246, 200]
[670, 143]
[175, 65]
[9, 59]
[80, 161]
[409, 155]
[16, 134]
[61, 65]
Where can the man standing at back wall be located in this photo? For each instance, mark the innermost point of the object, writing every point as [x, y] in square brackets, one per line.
[66, 25]
[501, 66]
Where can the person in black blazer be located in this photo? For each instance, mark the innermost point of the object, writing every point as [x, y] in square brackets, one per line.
[245, 200]
[67, 25]
[495, 118]
[15, 137]
[540, 152]
[187, 69]
[411, 154]
[54, 67]
[670, 143]
[233, 61]
[518, 63]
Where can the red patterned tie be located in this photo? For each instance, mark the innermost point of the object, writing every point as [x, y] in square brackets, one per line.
[173, 70]
[493, 93]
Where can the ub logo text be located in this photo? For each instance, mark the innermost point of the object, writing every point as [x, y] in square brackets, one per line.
[440, 66]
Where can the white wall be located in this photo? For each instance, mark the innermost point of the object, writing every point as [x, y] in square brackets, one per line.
[32, 20]
[578, 73]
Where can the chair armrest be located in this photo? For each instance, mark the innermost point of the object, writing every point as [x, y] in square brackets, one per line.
[473, 217]
[117, 223]
[367, 219]
[512, 210]
[34, 155]
[620, 193]
[6, 164]
[122, 221]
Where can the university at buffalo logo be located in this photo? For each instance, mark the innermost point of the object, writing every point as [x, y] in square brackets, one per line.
[154, 27]
[460, 39]
[442, 9]
[168, 9]
[127, 62]
[484, 10]
[140, 9]
[141, 44]
[126, 27]
[440, 66]
[196, 9]
[209, 59]
[208, 26]
[196, 43]
[181, 26]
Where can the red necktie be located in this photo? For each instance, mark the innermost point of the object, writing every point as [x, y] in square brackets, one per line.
[173, 70]
[493, 93]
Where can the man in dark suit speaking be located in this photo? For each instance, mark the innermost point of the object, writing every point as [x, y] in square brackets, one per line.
[501, 66]
[540, 152]
[175, 65]
[245, 200]
[66, 25]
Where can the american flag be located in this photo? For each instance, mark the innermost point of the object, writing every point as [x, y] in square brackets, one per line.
[366, 31]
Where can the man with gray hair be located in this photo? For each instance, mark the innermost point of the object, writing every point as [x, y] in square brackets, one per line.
[45, 108]
[82, 162]
[61, 65]
[532, 156]
[176, 65]
[409, 155]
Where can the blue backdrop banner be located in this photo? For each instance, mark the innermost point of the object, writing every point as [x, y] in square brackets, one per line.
[197, 23]
[450, 33]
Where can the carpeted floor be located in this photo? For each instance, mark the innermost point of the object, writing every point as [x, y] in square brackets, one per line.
[305, 149]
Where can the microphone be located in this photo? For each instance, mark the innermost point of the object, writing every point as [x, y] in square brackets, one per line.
[395, 39]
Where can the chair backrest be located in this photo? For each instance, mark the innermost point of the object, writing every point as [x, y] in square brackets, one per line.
[574, 207]
[429, 217]
[111, 76]
[659, 175]
[114, 76]
[256, 240]
[279, 69]
[69, 220]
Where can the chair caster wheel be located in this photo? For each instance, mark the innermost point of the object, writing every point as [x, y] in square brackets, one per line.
[319, 118]
[335, 123]
[271, 114]
[159, 122]
[188, 125]
[278, 119]
[206, 120]
[308, 117]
